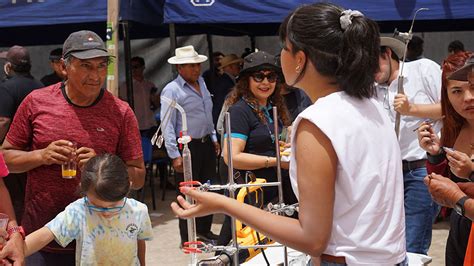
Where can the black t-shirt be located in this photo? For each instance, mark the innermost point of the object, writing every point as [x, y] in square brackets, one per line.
[13, 91]
[259, 139]
[51, 79]
[296, 101]
[223, 86]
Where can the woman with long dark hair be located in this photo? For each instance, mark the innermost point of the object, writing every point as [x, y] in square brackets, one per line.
[343, 147]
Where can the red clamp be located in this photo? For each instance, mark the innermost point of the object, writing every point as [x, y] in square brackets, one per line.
[198, 247]
[193, 184]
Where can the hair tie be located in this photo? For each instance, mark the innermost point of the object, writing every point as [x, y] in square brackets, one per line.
[346, 17]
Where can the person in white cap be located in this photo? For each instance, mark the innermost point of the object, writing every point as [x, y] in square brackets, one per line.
[421, 101]
[189, 90]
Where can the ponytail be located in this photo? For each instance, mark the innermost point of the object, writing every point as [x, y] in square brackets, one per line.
[359, 56]
[342, 44]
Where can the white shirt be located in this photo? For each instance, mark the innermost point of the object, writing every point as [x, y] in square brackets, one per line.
[368, 224]
[422, 85]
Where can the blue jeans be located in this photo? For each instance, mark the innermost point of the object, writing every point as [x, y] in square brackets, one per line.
[420, 211]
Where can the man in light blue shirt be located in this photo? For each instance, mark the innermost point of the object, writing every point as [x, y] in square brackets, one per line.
[190, 92]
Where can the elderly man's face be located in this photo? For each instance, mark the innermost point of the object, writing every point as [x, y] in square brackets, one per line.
[190, 72]
[86, 76]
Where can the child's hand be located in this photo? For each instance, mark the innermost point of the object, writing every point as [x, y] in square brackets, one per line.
[206, 203]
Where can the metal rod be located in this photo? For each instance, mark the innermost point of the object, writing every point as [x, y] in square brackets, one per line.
[230, 174]
[262, 246]
[234, 187]
[127, 51]
[400, 90]
[278, 159]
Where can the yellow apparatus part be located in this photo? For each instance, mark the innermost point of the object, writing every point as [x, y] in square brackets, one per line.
[247, 236]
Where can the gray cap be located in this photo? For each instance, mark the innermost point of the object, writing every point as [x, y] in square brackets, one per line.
[396, 45]
[84, 44]
[462, 73]
[259, 60]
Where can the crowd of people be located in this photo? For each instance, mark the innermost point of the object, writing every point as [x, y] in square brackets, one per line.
[336, 88]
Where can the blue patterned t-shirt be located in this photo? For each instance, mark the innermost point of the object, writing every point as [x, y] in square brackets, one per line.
[99, 240]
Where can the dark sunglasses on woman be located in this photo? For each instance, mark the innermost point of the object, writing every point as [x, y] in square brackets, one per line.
[260, 76]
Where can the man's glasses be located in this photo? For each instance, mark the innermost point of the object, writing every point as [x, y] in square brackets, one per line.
[259, 77]
[100, 209]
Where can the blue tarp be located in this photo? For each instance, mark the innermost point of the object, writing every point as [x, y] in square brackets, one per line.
[274, 11]
[50, 21]
[16, 13]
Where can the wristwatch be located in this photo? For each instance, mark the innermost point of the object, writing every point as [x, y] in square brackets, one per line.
[471, 177]
[16, 229]
[459, 207]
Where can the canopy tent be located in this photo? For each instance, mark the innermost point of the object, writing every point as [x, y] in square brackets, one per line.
[270, 11]
[30, 22]
[48, 22]
[235, 17]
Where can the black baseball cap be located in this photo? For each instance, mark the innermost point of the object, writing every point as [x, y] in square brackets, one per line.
[84, 44]
[259, 60]
[56, 54]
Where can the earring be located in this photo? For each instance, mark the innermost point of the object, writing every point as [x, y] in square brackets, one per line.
[297, 69]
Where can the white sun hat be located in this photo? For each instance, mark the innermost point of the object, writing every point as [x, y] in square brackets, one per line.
[397, 46]
[186, 55]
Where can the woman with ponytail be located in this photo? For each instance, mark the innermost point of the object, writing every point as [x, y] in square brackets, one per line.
[343, 147]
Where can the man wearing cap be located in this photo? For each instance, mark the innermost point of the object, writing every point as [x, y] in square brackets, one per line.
[190, 92]
[51, 121]
[420, 101]
[230, 66]
[58, 74]
[13, 90]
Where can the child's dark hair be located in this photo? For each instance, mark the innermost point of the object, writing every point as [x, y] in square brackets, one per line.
[350, 55]
[106, 176]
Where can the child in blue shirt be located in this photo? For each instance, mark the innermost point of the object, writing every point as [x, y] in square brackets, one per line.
[109, 228]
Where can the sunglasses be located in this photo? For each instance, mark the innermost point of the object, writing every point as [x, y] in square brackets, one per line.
[100, 209]
[259, 77]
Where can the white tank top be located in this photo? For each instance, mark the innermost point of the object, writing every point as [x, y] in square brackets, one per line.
[369, 221]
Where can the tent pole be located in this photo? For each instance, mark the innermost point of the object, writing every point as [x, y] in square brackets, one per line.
[128, 55]
[113, 7]
[211, 63]
[252, 43]
[173, 42]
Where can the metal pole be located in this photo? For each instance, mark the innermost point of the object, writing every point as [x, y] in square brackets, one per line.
[127, 56]
[406, 37]
[278, 159]
[113, 7]
[230, 173]
[173, 42]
